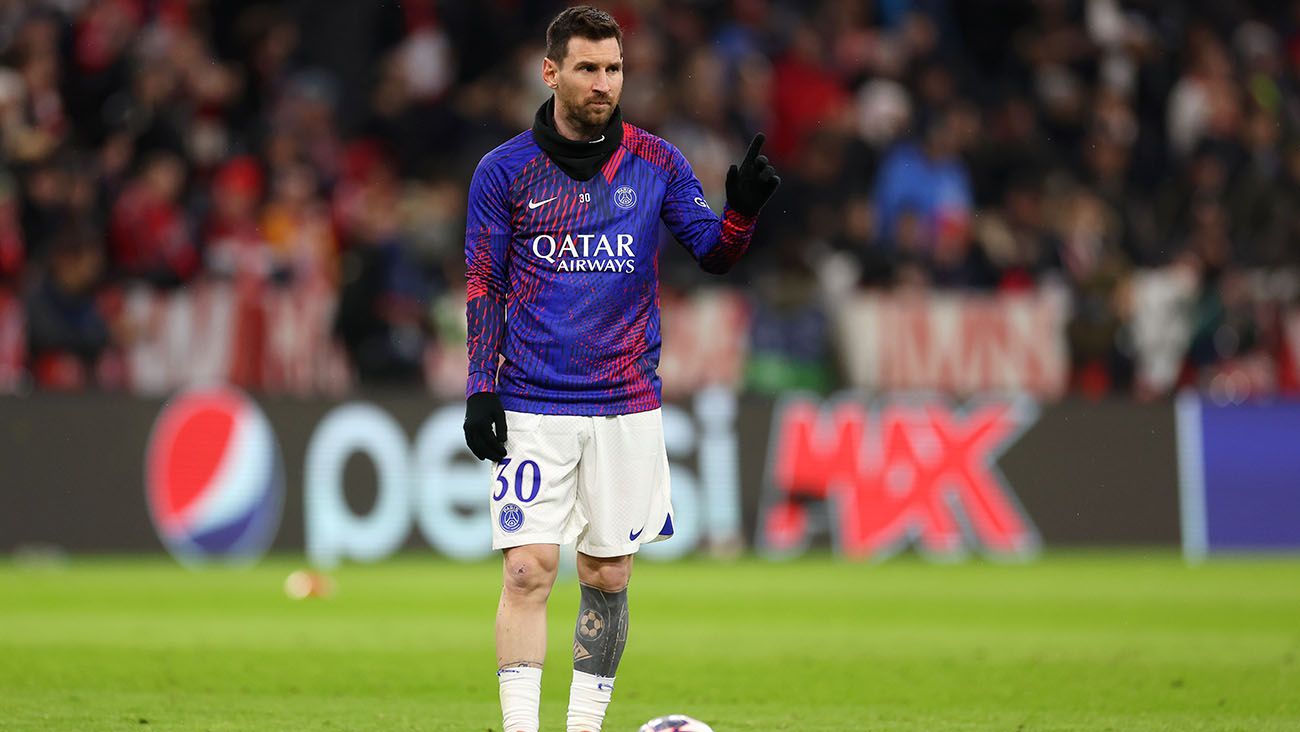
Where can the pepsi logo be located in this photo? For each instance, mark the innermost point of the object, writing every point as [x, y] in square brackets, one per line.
[214, 478]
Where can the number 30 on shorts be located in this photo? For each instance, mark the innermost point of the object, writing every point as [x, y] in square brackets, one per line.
[520, 477]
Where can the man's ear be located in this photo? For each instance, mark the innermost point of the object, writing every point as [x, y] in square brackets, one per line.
[550, 70]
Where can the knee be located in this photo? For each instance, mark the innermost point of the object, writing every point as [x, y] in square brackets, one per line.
[609, 575]
[528, 575]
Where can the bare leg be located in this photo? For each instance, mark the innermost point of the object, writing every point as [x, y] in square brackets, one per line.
[528, 574]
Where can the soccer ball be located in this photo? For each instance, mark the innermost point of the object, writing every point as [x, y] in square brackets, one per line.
[675, 723]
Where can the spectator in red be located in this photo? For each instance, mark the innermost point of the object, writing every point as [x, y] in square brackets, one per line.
[236, 250]
[104, 31]
[147, 231]
[233, 242]
[11, 235]
[807, 95]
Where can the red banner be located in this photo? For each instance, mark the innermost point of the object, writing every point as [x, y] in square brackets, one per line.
[13, 342]
[1289, 376]
[706, 339]
[957, 344]
[279, 340]
[267, 339]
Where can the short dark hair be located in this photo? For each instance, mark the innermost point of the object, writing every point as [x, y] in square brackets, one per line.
[582, 21]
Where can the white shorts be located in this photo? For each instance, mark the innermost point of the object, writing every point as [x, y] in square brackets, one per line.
[599, 481]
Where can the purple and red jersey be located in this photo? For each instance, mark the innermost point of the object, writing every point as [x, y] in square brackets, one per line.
[564, 274]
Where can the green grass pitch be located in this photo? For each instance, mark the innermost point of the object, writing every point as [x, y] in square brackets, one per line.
[1118, 641]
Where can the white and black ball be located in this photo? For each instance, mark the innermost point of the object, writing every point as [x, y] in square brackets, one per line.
[675, 723]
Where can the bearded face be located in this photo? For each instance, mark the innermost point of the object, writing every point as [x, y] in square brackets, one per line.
[588, 83]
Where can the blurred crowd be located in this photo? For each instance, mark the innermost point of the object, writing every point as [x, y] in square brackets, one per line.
[1098, 146]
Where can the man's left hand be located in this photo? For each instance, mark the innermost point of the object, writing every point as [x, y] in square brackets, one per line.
[753, 182]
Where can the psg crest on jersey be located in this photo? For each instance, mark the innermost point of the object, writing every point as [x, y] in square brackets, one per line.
[625, 197]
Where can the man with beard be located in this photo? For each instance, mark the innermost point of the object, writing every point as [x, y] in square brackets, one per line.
[561, 246]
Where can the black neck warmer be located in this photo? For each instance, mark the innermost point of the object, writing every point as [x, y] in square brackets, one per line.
[580, 160]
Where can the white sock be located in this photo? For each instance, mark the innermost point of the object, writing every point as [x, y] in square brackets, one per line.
[521, 693]
[588, 697]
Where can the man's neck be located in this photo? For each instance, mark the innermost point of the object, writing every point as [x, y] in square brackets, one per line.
[572, 130]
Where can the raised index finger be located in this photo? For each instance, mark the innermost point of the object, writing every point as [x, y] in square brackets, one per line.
[754, 146]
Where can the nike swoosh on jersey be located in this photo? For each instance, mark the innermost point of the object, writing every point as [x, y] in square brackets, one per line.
[632, 536]
[536, 204]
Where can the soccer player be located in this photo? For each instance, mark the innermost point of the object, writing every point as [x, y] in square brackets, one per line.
[562, 245]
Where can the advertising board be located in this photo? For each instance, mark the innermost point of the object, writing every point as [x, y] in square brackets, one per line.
[1239, 475]
[213, 474]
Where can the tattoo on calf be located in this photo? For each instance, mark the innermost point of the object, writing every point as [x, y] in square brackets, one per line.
[601, 632]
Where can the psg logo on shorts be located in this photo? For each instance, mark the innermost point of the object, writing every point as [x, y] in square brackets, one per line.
[512, 517]
[214, 478]
[625, 197]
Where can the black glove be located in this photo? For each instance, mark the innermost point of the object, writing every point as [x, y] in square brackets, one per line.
[482, 411]
[750, 185]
